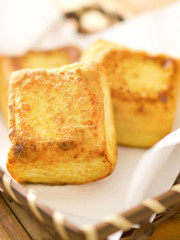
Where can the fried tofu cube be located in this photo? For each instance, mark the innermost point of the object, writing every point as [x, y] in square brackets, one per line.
[41, 59]
[61, 125]
[144, 90]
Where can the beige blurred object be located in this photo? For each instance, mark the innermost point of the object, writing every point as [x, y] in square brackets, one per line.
[139, 6]
[93, 16]
[90, 19]
[73, 5]
[127, 8]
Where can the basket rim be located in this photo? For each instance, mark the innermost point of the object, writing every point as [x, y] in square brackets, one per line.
[108, 225]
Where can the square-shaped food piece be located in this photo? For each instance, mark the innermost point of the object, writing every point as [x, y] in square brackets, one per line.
[61, 125]
[41, 59]
[144, 90]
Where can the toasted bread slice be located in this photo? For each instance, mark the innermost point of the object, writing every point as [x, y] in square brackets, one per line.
[144, 91]
[42, 59]
[61, 125]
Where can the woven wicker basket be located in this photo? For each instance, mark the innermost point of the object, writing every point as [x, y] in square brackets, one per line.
[135, 222]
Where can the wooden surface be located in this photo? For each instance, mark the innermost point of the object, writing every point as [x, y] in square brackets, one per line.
[10, 227]
[24, 220]
[168, 230]
[17, 224]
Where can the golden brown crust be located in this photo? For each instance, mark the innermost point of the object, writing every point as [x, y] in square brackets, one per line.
[33, 59]
[58, 125]
[144, 91]
[46, 58]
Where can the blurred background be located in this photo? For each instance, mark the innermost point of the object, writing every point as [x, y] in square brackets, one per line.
[36, 24]
[96, 15]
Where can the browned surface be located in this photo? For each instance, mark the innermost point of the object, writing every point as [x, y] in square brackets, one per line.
[144, 90]
[33, 59]
[61, 125]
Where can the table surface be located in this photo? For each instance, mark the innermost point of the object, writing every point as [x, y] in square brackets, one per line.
[17, 224]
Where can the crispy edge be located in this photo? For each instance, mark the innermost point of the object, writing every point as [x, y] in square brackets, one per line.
[17, 78]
